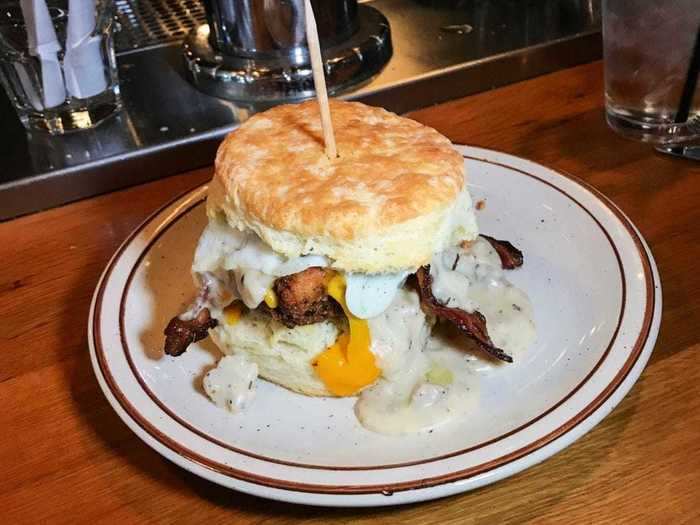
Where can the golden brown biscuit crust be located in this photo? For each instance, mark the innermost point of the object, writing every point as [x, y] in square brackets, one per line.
[273, 171]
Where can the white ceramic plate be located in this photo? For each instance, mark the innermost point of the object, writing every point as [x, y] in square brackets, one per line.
[597, 300]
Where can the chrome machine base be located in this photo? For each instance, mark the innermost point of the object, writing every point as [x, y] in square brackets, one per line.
[274, 79]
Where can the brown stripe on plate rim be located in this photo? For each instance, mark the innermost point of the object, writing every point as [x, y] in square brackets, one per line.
[413, 484]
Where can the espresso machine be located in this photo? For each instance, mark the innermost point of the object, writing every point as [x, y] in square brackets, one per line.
[251, 54]
[255, 50]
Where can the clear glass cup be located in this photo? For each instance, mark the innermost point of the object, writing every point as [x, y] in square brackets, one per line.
[57, 62]
[647, 49]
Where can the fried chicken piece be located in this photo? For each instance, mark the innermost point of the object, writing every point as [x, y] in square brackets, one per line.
[303, 299]
[303, 288]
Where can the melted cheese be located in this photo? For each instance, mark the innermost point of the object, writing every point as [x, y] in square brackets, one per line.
[348, 365]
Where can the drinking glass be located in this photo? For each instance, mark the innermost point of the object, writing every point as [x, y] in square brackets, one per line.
[648, 47]
[57, 62]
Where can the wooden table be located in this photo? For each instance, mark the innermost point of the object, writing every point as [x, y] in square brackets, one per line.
[65, 456]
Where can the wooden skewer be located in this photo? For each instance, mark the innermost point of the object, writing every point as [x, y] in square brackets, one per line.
[319, 80]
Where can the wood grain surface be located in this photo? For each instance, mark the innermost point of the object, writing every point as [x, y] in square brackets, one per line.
[65, 456]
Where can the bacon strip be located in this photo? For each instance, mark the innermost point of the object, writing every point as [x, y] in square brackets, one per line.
[511, 257]
[472, 324]
[179, 334]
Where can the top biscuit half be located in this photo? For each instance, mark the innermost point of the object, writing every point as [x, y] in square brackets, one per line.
[395, 195]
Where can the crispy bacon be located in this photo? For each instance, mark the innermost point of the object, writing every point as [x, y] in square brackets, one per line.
[179, 334]
[471, 324]
[511, 257]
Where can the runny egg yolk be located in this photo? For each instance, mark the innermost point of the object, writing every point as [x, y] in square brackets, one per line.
[232, 313]
[348, 365]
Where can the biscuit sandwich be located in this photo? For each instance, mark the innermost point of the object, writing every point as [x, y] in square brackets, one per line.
[327, 276]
